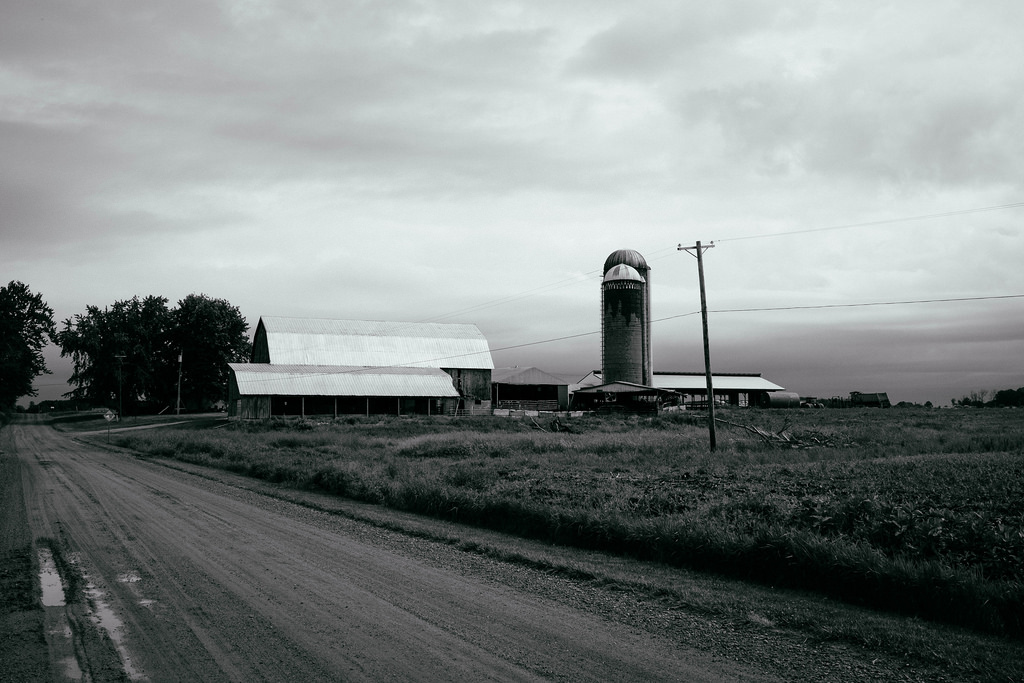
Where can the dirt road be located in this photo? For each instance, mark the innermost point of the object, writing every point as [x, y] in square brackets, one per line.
[190, 578]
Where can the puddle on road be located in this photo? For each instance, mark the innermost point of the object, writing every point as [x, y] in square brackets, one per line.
[59, 638]
[49, 579]
[104, 617]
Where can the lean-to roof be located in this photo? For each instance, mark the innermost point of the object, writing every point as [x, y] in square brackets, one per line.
[524, 376]
[622, 387]
[318, 341]
[261, 379]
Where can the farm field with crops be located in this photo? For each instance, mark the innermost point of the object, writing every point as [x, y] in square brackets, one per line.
[910, 510]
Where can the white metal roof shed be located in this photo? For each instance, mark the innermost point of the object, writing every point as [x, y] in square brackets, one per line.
[318, 341]
[260, 379]
[698, 382]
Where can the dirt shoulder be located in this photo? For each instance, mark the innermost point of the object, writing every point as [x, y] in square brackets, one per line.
[23, 652]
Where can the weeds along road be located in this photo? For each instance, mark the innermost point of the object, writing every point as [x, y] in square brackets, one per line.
[205, 581]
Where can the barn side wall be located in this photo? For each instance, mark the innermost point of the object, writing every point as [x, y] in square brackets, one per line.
[471, 383]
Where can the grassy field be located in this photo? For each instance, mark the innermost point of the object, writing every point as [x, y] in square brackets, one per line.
[912, 510]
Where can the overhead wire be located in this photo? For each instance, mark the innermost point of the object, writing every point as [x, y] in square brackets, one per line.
[884, 221]
[783, 308]
[870, 303]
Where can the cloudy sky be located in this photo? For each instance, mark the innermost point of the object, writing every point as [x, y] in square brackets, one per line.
[476, 162]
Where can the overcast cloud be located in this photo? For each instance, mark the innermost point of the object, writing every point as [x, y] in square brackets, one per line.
[476, 162]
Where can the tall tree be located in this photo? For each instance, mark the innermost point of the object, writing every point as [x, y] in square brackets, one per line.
[208, 333]
[129, 352]
[26, 322]
[121, 354]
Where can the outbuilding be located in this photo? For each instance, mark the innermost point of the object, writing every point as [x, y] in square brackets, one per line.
[735, 389]
[880, 399]
[622, 397]
[528, 388]
[691, 389]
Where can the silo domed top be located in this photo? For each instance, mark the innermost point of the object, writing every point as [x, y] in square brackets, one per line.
[622, 272]
[628, 257]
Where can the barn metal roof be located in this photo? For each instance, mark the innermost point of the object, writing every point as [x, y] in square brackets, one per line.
[622, 387]
[698, 382]
[524, 376]
[318, 341]
[261, 379]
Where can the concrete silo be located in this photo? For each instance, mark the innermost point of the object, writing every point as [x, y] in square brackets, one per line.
[626, 319]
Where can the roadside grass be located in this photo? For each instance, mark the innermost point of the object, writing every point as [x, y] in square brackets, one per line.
[915, 511]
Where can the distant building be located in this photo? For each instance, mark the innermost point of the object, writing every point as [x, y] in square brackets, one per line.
[528, 389]
[623, 397]
[735, 389]
[876, 400]
[689, 389]
[307, 367]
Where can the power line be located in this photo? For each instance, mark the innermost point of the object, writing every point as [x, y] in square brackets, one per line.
[887, 221]
[512, 297]
[548, 341]
[870, 303]
[779, 308]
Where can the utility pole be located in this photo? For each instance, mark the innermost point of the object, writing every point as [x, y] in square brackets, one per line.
[177, 406]
[698, 251]
[120, 370]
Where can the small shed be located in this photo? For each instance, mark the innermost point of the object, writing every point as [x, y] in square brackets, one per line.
[528, 388]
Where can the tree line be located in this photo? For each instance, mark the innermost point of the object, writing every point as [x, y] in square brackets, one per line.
[131, 355]
[1004, 398]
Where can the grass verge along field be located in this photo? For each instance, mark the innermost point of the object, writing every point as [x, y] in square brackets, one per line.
[915, 511]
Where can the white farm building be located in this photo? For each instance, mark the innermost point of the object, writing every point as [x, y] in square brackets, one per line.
[304, 367]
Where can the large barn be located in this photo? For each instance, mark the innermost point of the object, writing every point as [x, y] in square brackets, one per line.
[303, 367]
